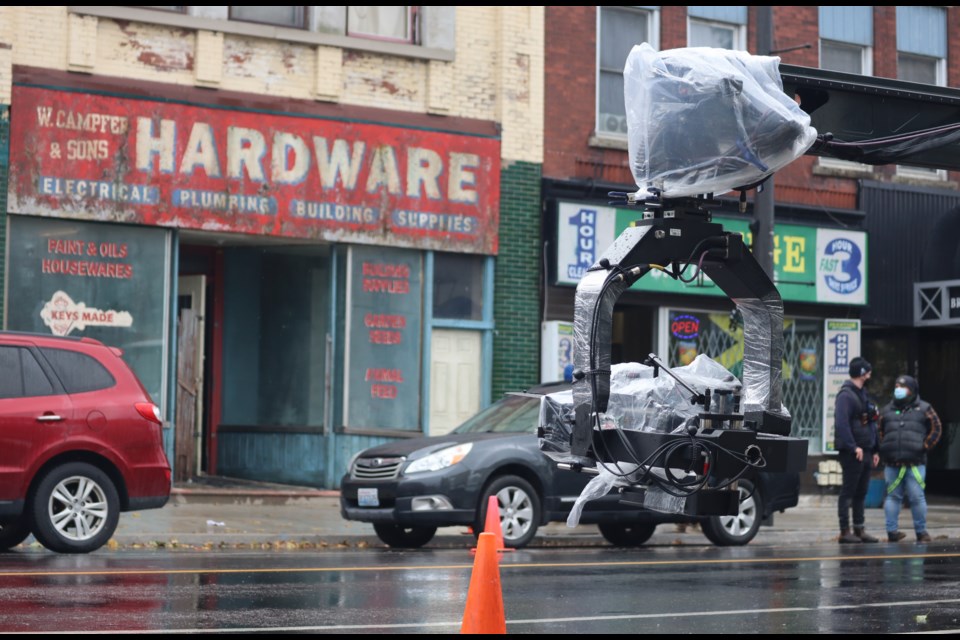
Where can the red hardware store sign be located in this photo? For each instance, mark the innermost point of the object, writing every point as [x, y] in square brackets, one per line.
[96, 157]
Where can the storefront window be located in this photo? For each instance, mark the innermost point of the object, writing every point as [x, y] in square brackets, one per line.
[109, 282]
[384, 326]
[719, 335]
[277, 309]
[457, 286]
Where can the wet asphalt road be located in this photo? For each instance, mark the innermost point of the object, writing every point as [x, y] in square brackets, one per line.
[882, 588]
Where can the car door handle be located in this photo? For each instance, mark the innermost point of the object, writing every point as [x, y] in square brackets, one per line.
[49, 417]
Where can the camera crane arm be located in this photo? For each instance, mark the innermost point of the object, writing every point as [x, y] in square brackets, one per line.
[676, 232]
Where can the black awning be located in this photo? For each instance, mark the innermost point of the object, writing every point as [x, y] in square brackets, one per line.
[878, 120]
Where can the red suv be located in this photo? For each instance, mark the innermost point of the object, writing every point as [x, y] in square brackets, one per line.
[80, 441]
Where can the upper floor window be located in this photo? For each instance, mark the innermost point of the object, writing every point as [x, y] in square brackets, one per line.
[620, 29]
[846, 45]
[921, 57]
[718, 27]
[423, 32]
[712, 34]
[180, 9]
[846, 39]
[843, 56]
[384, 23]
[281, 16]
[919, 68]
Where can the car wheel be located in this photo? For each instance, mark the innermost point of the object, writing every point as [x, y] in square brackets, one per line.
[626, 535]
[75, 509]
[14, 532]
[401, 537]
[519, 510]
[726, 531]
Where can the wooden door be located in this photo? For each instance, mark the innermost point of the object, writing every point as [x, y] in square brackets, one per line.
[454, 378]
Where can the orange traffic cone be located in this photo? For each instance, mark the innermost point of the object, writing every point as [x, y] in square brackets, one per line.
[492, 524]
[484, 610]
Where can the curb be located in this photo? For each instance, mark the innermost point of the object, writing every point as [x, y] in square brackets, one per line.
[280, 493]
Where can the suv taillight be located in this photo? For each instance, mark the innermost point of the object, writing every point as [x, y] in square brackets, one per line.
[149, 411]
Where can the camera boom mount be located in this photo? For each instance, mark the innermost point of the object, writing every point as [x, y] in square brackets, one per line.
[674, 233]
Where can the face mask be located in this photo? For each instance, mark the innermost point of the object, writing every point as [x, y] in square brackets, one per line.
[900, 393]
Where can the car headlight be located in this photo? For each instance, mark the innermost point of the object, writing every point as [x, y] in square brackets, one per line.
[440, 459]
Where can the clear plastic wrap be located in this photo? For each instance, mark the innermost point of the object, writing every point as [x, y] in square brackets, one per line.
[638, 402]
[703, 120]
[763, 323]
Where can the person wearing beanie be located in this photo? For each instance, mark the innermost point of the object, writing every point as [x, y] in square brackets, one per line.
[908, 427]
[855, 440]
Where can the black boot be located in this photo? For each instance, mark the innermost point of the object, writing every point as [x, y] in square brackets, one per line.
[861, 533]
[895, 536]
[846, 536]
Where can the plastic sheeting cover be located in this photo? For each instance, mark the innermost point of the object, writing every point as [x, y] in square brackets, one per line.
[703, 120]
[638, 401]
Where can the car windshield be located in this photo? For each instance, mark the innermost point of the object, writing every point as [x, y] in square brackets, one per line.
[512, 414]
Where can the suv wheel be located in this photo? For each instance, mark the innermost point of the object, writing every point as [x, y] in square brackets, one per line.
[626, 535]
[725, 531]
[401, 537]
[520, 512]
[75, 508]
[14, 532]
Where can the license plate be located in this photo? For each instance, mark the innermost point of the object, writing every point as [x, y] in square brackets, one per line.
[368, 498]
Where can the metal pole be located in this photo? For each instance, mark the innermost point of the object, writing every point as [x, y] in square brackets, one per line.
[763, 205]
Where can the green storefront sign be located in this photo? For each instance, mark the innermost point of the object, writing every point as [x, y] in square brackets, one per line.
[811, 264]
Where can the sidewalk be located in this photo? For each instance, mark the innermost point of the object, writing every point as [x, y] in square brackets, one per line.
[235, 514]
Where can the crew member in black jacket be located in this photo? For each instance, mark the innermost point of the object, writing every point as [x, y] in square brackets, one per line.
[908, 428]
[855, 439]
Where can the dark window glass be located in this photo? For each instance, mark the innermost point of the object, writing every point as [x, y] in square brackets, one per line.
[272, 14]
[11, 381]
[77, 371]
[457, 286]
[35, 382]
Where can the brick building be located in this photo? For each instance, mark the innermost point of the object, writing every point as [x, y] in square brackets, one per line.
[902, 219]
[301, 224]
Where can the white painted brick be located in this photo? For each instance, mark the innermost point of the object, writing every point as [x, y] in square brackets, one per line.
[81, 43]
[329, 74]
[209, 63]
[6, 72]
[496, 74]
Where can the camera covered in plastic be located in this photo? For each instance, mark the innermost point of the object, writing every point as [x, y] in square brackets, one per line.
[704, 120]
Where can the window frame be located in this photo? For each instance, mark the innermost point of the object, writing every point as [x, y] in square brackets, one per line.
[940, 71]
[653, 31]
[413, 28]
[866, 68]
[439, 47]
[739, 31]
[181, 9]
[301, 14]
